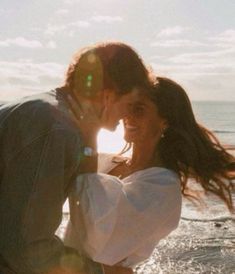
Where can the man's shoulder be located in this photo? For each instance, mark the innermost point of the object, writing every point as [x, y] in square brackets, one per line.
[43, 100]
[42, 107]
[37, 113]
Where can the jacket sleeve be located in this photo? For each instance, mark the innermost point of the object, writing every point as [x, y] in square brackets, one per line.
[33, 191]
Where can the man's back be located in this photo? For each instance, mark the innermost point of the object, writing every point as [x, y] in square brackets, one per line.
[39, 155]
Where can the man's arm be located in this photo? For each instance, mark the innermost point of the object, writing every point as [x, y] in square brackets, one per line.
[32, 195]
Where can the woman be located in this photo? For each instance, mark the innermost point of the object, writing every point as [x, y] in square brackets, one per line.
[119, 222]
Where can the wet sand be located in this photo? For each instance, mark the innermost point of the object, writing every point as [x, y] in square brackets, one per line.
[195, 247]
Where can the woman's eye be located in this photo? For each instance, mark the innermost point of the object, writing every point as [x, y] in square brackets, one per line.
[138, 111]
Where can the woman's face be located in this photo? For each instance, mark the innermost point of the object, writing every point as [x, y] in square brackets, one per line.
[143, 124]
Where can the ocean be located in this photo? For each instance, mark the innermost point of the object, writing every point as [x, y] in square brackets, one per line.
[218, 117]
[204, 241]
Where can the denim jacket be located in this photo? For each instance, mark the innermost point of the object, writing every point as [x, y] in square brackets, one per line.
[40, 150]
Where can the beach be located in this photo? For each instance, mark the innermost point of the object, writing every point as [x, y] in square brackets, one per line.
[195, 248]
[199, 245]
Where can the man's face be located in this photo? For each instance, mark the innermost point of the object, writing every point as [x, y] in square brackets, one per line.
[116, 107]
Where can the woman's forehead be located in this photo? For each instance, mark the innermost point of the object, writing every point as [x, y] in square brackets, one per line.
[142, 98]
[143, 101]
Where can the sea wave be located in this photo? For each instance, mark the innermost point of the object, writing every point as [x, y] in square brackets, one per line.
[223, 131]
[214, 219]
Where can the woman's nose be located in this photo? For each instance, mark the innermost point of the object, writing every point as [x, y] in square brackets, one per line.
[129, 118]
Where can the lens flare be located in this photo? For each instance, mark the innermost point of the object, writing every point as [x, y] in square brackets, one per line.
[91, 58]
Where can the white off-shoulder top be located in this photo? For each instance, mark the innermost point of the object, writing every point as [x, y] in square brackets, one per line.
[121, 221]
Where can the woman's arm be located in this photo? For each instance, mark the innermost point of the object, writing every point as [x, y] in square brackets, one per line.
[117, 270]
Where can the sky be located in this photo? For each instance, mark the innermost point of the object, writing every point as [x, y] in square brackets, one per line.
[191, 41]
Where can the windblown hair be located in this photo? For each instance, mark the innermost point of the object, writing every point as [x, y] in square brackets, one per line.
[110, 65]
[190, 149]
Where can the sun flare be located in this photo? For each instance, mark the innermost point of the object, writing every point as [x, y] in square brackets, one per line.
[111, 142]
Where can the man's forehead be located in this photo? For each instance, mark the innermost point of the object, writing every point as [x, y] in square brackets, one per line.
[135, 96]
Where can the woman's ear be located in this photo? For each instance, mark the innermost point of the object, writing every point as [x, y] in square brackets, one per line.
[164, 127]
[164, 124]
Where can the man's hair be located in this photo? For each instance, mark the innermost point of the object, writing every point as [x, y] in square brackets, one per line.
[111, 65]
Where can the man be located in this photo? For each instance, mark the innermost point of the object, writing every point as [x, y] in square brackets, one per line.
[41, 148]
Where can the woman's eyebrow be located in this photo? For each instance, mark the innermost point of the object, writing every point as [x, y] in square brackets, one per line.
[140, 104]
[137, 104]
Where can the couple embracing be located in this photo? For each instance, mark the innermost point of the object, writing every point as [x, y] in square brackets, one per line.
[120, 207]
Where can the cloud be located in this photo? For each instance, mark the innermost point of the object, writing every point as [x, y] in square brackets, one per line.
[25, 43]
[24, 76]
[62, 12]
[193, 70]
[70, 2]
[106, 19]
[172, 31]
[51, 45]
[79, 24]
[5, 11]
[205, 67]
[208, 74]
[194, 64]
[201, 82]
[224, 39]
[226, 56]
[173, 43]
[21, 42]
[54, 29]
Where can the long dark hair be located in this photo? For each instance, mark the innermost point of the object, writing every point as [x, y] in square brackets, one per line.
[190, 149]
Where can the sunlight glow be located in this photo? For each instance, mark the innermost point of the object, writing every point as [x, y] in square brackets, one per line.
[111, 142]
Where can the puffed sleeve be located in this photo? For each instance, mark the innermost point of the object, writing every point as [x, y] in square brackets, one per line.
[121, 221]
